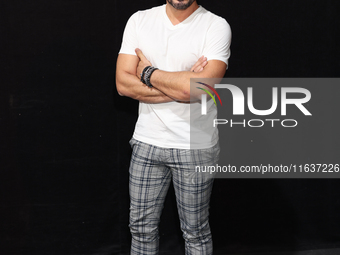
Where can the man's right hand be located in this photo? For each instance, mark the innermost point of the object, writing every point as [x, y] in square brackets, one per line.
[199, 65]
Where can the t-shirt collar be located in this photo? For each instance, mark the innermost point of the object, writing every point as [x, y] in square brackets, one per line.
[186, 21]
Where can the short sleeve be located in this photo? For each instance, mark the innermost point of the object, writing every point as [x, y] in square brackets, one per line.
[130, 42]
[218, 40]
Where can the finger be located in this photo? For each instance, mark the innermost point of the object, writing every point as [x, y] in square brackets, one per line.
[200, 67]
[140, 54]
[199, 61]
[204, 63]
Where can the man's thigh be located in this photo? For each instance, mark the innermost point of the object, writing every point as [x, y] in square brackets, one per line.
[193, 187]
[148, 182]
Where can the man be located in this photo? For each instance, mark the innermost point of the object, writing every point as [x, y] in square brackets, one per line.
[162, 49]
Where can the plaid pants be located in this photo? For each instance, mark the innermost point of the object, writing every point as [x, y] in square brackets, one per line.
[151, 169]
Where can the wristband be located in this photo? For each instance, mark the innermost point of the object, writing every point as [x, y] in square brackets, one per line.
[148, 76]
[143, 73]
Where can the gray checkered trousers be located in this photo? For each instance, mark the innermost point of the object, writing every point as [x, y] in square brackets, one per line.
[151, 169]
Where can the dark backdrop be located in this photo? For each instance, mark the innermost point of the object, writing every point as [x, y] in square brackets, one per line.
[64, 130]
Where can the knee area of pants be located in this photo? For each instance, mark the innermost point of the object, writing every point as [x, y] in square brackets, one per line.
[144, 235]
[199, 238]
[201, 234]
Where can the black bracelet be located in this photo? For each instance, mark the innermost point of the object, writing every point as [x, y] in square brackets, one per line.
[143, 73]
[148, 76]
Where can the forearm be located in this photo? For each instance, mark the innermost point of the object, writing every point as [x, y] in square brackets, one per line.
[129, 85]
[177, 84]
[174, 84]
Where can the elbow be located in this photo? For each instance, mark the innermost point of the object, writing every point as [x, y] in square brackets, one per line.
[181, 95]
[185, 92]
[120, 92]
[185, 95]
[124, 91]
[120, 88]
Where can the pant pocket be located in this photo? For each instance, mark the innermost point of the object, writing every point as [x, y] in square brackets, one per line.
[132, 142]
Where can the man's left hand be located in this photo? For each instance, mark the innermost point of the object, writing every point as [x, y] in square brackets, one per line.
[143, 62]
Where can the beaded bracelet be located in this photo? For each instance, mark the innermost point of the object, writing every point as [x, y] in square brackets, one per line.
[143, 73]
[148, 76]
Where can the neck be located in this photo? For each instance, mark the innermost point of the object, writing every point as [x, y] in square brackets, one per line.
[177, 16]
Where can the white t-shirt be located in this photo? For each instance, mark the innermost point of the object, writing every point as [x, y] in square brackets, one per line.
[176, 48]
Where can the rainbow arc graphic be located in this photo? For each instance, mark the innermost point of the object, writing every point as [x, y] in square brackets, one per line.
[209, 93]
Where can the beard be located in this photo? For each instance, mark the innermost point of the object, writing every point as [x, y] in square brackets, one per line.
[181, 5]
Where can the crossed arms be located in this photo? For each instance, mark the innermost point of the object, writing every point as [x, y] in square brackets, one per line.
[167, 86]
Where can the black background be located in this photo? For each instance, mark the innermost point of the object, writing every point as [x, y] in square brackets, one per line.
[64, 130]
